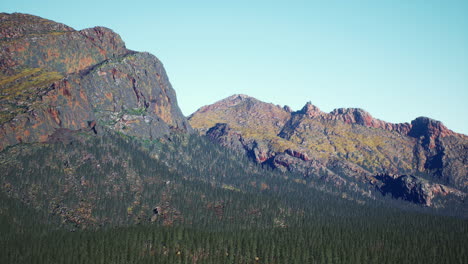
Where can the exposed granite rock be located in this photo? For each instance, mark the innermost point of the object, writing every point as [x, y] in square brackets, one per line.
[54, 77]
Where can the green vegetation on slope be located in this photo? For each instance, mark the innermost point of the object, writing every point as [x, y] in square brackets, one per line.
[212, 206]
[19, 91]
[380, 236]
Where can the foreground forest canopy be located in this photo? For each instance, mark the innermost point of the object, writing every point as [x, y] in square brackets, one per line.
[98, 165]
[211, 210]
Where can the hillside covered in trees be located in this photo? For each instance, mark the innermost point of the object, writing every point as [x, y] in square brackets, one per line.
[98, 165]
[61, 204]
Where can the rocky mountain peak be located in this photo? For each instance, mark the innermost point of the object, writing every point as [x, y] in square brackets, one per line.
[34, 42]
[107, 39]
[310, 110]
[362, 117]
[425, 126]
[354, 116]
[429, 130]
[54, 78]
[18, 25]
[236, 97]
[230, 101]
[241, 112]
[287, 108]
[346, 141]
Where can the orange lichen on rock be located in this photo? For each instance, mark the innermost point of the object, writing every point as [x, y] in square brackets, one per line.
[20, 46]
[55, 115]
[85, 62]
[83, 95]
[109, 96]
[43, 138]
[48, 83]
[163, 112]
[52, 54]
[65, 88]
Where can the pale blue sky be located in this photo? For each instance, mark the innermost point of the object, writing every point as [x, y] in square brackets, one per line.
[396, 59]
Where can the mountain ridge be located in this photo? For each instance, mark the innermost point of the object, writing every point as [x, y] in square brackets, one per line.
[349, 115]
[99, 165]
[56, 81]
[346, 141]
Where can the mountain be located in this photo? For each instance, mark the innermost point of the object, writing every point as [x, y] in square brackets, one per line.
[98, 165]
[345, 143]
[54, 78]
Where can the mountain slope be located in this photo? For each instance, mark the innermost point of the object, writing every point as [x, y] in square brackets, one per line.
[344, 143]
[54, 77]
[221, 210]
[92, 141]
[183, 198]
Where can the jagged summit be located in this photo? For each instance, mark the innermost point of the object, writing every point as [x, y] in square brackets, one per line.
[310, 110]
[347, 115]
[346, 141]
[362, 117]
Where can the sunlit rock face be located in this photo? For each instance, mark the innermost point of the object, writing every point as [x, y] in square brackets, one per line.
[345, 143]
[54, 77]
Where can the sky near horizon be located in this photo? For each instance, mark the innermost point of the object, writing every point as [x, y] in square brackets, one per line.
[396, 59]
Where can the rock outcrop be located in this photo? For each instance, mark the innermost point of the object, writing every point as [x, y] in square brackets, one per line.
[361, 117]
[429, 130]
[415, 189]
[54, 77]
[342, 146]
[226, 136]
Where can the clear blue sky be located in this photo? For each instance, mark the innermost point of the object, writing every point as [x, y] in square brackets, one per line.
[396, 59]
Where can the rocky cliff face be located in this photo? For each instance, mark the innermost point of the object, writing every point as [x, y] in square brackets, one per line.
[54, 77]
[414, 189]
[342, 146]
